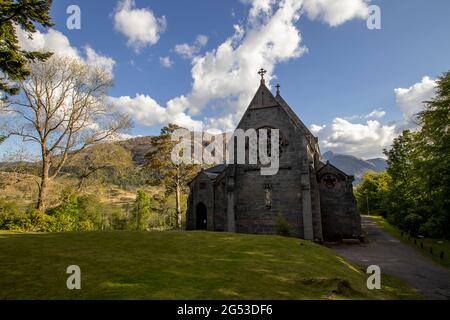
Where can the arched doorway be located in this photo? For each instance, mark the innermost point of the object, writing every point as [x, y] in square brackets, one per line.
[201, 216]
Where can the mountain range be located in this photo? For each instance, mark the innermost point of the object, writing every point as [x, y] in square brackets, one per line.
[354, 166]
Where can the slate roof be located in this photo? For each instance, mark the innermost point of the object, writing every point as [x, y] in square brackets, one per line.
[265, 99]
[217, 169]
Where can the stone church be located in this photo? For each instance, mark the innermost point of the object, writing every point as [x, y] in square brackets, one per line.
[312, 198]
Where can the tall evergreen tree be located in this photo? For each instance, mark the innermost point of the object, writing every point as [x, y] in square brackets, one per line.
[14, 61]
[164, 172]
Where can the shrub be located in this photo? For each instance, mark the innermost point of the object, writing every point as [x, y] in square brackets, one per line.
[412, 223]
[433, 228]
[141, 211]
[79, 213]
[284, 228]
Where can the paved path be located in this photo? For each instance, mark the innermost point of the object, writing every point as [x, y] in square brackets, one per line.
[400, 260]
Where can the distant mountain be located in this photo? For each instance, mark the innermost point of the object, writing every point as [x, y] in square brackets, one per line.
[355, 166]
[138, 147]
[381, 164]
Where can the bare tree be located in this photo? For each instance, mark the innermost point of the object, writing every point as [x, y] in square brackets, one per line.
[63, 109]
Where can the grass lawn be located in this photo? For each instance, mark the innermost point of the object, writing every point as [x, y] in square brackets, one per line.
[180, 265]
[437, 246]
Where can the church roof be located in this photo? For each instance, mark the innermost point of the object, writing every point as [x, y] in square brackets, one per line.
[328, 165]
[265, 99]
[296, 120]
[217, 169]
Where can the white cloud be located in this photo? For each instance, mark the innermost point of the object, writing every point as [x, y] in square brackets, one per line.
[368, 139]
[227, 75]
[376, 114]
[188, 51]
[362, 140]
[225, 78]
[140, 26]
[411, 100]
[57, 42]
[95, 59]
[166, 62]
[53, 41]
[315, 129]
[148, 112]
[336, 12]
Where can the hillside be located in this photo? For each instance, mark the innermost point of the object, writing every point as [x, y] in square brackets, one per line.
[138, 147]
[355, 166]
[180, 265]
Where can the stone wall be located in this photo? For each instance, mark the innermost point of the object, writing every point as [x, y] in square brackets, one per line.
[340, 219]
[202, 191]
[252, 215]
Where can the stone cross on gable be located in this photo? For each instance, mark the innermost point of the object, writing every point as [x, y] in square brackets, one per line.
[262, 72]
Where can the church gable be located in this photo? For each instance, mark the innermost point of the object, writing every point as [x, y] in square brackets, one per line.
[263, 99]
[329, 169]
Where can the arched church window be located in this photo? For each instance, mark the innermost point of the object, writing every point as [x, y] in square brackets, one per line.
[330, 180]
[281, 143]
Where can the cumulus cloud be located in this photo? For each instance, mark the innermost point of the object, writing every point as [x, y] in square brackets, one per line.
[57, 42]
[225, 78]
[411, 100]
[368, 139]
[188, 51]
[336, 12]
[365, 140]
[52, 40]
[140, 26]
[95, 59]
[315, 129]
[166, 62]
[146, 111]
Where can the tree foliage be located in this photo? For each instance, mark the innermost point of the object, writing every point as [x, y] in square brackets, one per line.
[24, 14]
[417, 196]
[372, 192]
[174, 177]
[141, 211]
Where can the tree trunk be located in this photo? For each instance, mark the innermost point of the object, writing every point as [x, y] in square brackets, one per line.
[43, 186]
[81, 183]
[178, 203]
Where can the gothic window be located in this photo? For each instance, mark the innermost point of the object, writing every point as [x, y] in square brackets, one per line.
[281, 145]
[330, 180]
[202, 185]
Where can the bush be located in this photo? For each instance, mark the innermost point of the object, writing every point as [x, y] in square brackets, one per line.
[284, 228]
[79, 213]
[141, 211]
[412, 223]
[432, 228]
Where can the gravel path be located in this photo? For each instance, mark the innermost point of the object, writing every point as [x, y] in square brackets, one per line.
[400, 260]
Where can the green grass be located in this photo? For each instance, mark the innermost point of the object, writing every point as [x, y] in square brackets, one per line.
[180, 265]
[437, 245]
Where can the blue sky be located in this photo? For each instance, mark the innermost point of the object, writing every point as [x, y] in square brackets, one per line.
[346, 73]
